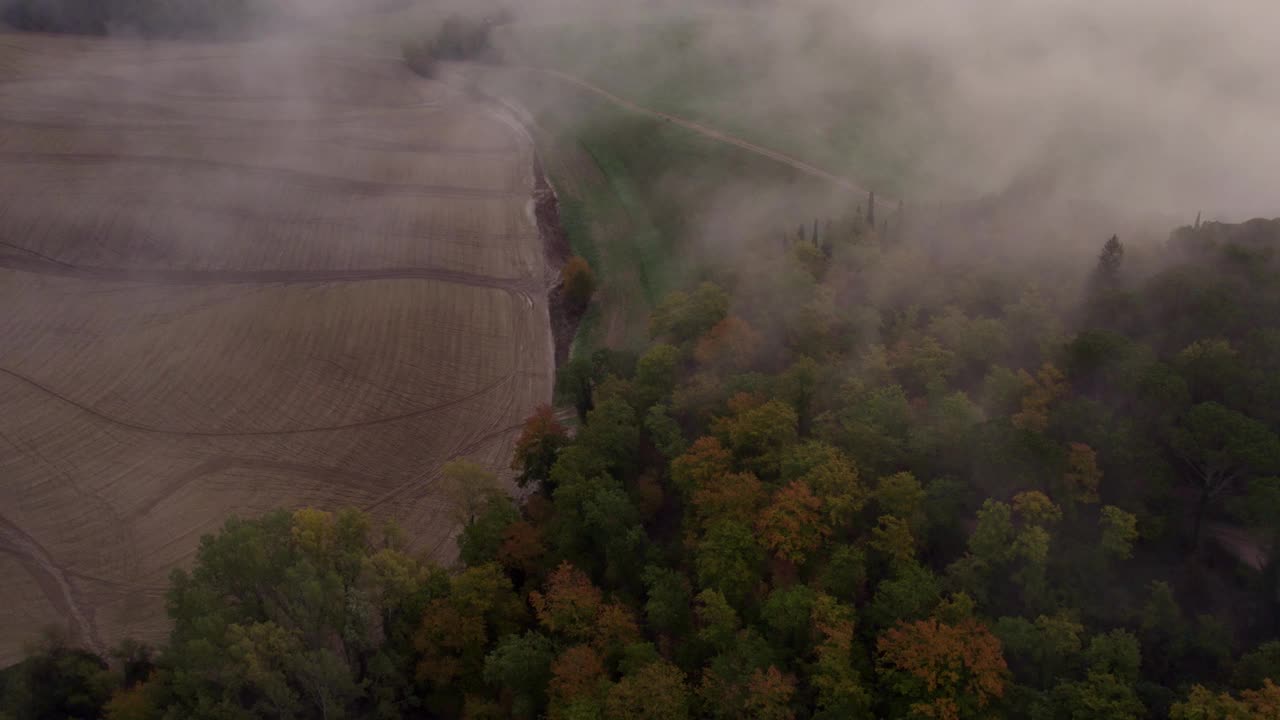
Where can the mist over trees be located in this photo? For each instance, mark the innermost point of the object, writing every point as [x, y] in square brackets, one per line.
[970, 512]
[841, 479]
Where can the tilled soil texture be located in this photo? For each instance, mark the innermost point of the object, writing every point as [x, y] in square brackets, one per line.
[236, 278]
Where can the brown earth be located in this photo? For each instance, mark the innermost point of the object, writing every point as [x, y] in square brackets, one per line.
[237, 278]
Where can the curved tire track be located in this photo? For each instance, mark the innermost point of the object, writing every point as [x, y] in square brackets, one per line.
[299, 178]
[255, 433]
[52, 579]
[39, 264]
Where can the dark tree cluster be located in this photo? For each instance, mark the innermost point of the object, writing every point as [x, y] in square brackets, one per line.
[458, 38]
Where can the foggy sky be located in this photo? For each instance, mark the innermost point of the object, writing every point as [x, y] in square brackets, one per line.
[1150, 106]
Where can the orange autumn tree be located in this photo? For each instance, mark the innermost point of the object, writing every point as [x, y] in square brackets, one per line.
[731, 496]
[769, 694]
[522, 547]
[704, 461]
[540, 441]
[1083, 476]
[793, 526]
[1203, 704]
[732, 345]
[454, 630]
[943, 672]
[1041, 391]
[579, 282]
[569, 604]
[578, 683]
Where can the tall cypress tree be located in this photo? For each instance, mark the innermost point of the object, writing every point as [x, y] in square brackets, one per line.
[1110, 259]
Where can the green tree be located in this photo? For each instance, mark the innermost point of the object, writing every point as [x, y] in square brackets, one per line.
[612, 433]
[1212, 369]
[911, 594]
[575, 383]
[1041, 651]
[893, 541]
[1261, 663]
[664, 431]
[902, 496]
[669, 604]
[873, 424]
[845, 574]
[520, 668]
[834, 480]
[685, 317]
[729, 559]
[1115, 653]
[1099, 696]
[1165, 630]
[469, 488]
[56, 681]
[1110, 259]
[1119, 530]
[799, 387]
[725, 688]
[1221, 447]
[718, 622]
[481, 539]
[787, 615]
[656, 691]
[656, 374]
[760, 435]
[295, 614]
[838, 684]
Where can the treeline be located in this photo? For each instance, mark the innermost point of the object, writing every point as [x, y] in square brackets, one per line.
[840, 484]
[144, 17]
[458, 38]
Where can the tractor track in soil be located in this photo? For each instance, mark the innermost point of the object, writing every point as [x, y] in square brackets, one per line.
[144, 488]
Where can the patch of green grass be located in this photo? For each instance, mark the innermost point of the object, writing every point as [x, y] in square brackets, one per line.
[642, 248]
[589, 337]
[663, 66]
[575, 219]
[634, 194]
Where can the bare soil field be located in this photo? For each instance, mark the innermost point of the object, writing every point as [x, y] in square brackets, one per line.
[241, 277]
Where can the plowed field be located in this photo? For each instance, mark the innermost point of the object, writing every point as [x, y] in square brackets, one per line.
[235, 278]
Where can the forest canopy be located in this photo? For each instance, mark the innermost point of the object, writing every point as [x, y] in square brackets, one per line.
[1015, 501]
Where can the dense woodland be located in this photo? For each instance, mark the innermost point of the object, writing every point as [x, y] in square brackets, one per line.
[819, 493]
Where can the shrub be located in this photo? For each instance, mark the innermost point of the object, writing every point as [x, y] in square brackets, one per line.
[579, 282]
